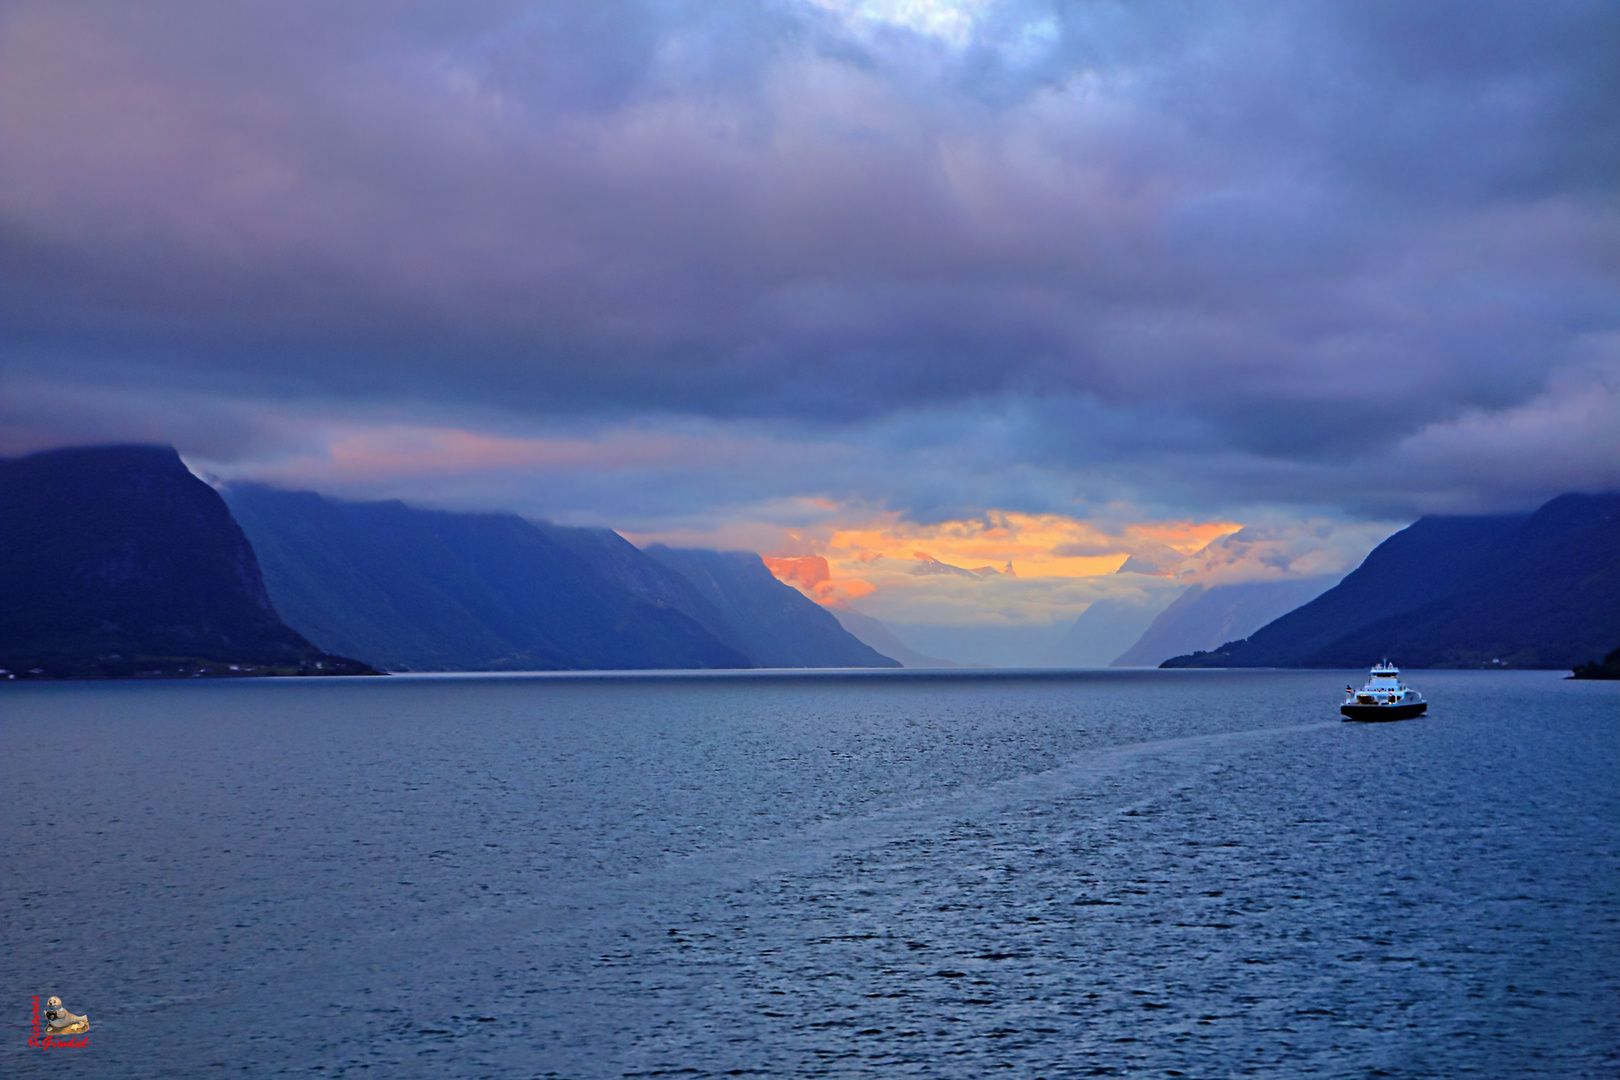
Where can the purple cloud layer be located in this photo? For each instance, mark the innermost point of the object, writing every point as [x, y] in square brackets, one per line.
[1361, 255]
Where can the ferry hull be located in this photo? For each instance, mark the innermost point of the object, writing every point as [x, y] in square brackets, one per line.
[1403, 711]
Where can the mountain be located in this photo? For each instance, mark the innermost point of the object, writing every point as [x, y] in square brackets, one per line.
[117, 561]
[633, 570]
[927, 564]
[874, 633]
[1414, 566]
[1608, 669]
[1102, 630]
[425, 590]
[1537, 591]
[1546, 595]
[1203, 618]
[782, 626]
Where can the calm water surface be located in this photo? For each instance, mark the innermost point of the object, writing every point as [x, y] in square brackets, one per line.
[1199, 874]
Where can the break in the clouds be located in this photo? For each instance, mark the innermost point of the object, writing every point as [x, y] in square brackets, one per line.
[710, 269]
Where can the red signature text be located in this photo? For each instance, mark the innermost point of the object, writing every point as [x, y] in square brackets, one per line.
[40, 1038]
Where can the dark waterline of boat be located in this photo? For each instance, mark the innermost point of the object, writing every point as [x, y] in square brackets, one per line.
[816, 874]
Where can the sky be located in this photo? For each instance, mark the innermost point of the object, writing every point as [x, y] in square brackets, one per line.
[1083, 287]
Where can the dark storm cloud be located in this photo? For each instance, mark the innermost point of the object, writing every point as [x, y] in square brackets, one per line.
[1244, 245]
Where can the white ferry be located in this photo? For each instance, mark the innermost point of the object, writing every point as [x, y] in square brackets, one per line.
[1384, 697]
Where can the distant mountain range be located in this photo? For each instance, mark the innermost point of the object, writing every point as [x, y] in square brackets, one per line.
[1526, 591]
[424, 590]
[1204, 617]
[777, 625]
[1200, 617]
[1095, 636]
[877, 634]
[116, 561]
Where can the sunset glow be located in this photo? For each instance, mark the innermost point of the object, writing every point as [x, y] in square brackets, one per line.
[855, 561]
[1124, 296]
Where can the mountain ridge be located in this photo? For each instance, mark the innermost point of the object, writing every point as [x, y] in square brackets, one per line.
[879, 636]
[783, 627]
[1207, 616]
[118, 561]
[1093, 639]
[431, 590]
[1535, 590]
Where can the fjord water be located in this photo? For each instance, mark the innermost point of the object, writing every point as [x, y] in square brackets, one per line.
[1198, 873]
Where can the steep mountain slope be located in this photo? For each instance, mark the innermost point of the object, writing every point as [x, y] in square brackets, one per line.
[1416, 565]
[1545, 595]
[1204, 618]
[424, 590]
[783, 627]
[116, 560]
[1537, 591]
[641, 576]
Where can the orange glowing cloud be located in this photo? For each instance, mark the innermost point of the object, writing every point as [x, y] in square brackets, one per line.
[812, 575]
[1034, 545]
[858, 558]
[807, 571]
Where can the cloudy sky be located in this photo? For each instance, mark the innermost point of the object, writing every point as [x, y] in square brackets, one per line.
[1056, 284]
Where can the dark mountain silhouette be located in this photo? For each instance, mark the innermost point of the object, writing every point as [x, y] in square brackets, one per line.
[1609, 668]
[1204, 617]
[1412, 567]
[782, 626]
[117, 561]
[1546, 595]
[425, 590]
[1535, 591]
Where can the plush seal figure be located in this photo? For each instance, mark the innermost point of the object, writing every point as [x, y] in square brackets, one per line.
[58, 1021]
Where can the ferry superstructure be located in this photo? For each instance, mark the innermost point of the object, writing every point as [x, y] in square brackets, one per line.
[1384, 697]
